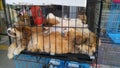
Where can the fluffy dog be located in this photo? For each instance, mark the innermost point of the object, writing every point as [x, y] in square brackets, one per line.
[21, 36]
[33, 39]
[53, 43]
[84, 44]
[62, 25]
[24, 17]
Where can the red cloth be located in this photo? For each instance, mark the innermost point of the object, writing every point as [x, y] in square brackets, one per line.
[37, 15]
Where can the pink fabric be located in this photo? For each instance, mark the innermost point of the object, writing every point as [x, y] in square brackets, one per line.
[116, 1]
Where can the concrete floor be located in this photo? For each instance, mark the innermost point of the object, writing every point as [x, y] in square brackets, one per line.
[5, 62]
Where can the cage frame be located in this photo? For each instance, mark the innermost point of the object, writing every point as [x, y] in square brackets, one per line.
[79, 59]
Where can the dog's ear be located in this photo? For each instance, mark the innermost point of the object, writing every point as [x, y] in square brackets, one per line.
[26, 31]
[52, 21]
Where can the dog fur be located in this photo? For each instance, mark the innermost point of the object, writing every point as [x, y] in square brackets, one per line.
[53, 44]
[62, 24]
[88, 44]
[34, 39]
[84, 44]
[21, 36]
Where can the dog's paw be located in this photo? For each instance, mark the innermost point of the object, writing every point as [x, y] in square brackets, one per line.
[10, 56]
[52, 53]
[46, 33]
[16, 52]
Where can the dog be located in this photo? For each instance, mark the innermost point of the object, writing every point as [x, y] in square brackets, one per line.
[83, 17]
[24, 17]
[33, 39]
[62, 25]
[21, 36]
[53, 44]
[83, 43]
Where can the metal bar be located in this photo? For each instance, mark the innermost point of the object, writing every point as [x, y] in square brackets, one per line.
[98, 29]
[7, 24]
[77, 57]
[3, 34]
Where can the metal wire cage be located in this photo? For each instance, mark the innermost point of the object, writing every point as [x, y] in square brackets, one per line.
[113, 24]
[55, 31]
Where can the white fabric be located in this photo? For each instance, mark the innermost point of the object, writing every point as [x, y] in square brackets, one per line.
[81, 3]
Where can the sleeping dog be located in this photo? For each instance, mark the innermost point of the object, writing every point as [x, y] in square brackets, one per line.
[34, 40]
[62, 25]
[21, 36]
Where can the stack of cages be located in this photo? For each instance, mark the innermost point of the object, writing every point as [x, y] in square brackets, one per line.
[113, 23]
[65, 32]
[105, 15]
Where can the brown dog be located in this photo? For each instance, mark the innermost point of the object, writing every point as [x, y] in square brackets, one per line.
[53, 44]
[84, 43]
[21, 36]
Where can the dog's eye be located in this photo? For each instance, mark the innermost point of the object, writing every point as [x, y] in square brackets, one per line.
[15, 34]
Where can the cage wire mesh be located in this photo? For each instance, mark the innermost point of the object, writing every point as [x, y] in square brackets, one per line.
[108, 51]
[55, 31]
[113, 25]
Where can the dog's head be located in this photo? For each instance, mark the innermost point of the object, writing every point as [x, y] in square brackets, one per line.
[52, 19]
[77, 37]
[19, 32]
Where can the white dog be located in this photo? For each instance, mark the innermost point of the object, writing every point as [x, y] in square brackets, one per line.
[62, 25]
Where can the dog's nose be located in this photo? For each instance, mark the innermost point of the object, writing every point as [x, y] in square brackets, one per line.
[8, 31]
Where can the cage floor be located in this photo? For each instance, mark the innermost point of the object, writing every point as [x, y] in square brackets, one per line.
[115, 38]
[69, 56]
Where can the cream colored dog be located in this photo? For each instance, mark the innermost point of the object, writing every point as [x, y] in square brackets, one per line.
[62, 25]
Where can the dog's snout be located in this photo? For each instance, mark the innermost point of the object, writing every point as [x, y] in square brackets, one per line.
[8, 31]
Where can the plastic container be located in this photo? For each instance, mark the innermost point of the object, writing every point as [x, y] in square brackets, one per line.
[56, 63]
[27, 61]
[71, 64]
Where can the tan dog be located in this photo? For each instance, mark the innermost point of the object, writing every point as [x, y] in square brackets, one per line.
[84, 43]
[33, 39]
[21, 36]
[24, 19]
[62, 25]
[65, 22]
[88, 44]
[83, 17]
[53, 44]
